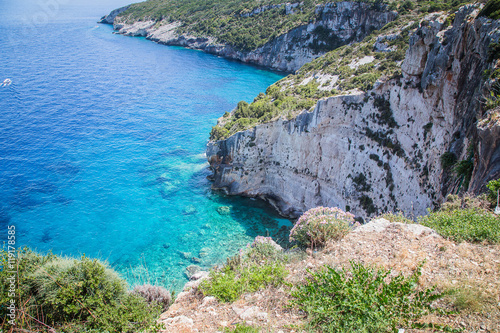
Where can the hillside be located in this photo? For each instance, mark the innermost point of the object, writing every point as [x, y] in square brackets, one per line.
[385, 124]
[282, 36]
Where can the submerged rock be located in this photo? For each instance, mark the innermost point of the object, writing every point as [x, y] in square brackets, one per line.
[189, 210]
[192, 270]
[224, 210]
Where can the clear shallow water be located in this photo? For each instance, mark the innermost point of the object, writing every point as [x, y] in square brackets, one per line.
[102, 140]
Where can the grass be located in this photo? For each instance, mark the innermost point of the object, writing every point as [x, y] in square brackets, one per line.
[362, 299]
[470, 224]
[257, 268]
[395, 217]
[465, 299]
[241, 328]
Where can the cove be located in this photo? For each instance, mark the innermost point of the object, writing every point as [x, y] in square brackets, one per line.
[102, 141]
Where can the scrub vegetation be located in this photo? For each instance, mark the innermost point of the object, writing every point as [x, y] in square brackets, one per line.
[357, 66]
[72, 295]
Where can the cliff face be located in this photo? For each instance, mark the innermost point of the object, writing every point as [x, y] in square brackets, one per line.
[337, 24]
[110, 18]
[376, 151]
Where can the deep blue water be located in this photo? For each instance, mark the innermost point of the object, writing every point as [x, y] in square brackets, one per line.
[102, 141]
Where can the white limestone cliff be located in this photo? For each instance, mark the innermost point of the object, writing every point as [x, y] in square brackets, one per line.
[349, 153]
[346, 22]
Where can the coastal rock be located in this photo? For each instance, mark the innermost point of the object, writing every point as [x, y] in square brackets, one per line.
[266, 240]
[345, 154]
[250, 313]
[110, 18]
[343, 23]
[380, 225]
[192, 270]
[488, 151]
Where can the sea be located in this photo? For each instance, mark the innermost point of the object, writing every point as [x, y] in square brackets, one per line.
[102, 142]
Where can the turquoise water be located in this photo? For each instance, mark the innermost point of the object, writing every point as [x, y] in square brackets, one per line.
[102, 141]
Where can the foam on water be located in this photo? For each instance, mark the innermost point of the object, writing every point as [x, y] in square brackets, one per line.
[102, 140]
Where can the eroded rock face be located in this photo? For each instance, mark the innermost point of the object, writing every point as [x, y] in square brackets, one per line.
[337, 24]
[110, 18]
[488, 153]
[349, 153]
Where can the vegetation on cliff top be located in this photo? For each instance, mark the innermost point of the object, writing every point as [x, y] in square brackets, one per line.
[232, 21]
[350, 67]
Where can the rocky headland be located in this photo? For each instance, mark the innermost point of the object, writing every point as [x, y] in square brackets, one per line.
[336, 24]
[384, 126]
[380, 149]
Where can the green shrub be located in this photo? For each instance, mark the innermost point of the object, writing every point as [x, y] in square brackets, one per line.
[471, 225]
[71, 294]
[229, 283]
[72, 289]
[362, 300]
[242, 328]
[321, 224]
[448, 159]
[260, 265]
[491, 10]
[218, 133]
[493, 187]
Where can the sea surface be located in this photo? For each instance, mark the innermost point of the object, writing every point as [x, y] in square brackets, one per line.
[102, 141]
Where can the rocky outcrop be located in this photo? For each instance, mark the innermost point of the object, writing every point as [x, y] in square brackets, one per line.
[487, 151]
[337, 24]
[378, 151]
[110, 18]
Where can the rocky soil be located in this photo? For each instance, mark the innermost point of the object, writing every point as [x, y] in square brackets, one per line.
[475, 269]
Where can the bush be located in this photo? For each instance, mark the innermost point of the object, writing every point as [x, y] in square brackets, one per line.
[255, 268]
[71, 294]
[491, 10]
[448, 159]
[228, 284]
[242, 328]
[470, 224]
[154, 294]
[493, 187]
[362, 300]
[321, 224]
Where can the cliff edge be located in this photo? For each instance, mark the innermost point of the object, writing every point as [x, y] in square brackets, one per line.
[327, 27]
[385, 149]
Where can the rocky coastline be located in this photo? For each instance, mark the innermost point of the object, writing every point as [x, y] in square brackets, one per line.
[342, 153]
[346, 22]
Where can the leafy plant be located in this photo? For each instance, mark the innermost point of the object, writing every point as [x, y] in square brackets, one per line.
[73, 293]
[256, 267]
[470, 224]
[321, 224]
[241, 328]
[362, 299]
[228, 284]
[493, 187]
